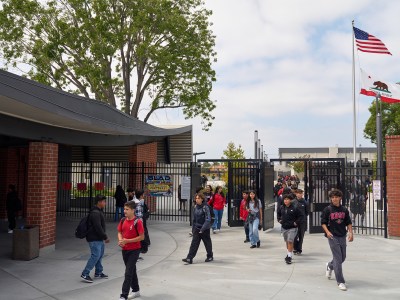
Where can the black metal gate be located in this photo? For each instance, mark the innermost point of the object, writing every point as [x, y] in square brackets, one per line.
[368, 211]
[237, 175]
[79, 183]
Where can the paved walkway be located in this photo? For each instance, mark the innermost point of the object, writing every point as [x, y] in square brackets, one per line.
[371, 270]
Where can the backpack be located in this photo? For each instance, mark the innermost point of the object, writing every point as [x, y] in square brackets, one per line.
[82, 229]
[146, 213]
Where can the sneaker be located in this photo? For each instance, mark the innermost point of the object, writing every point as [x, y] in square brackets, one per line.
[122, 298]
[87, 278]
[258, 244]
[246, 241]
[190, 233]
[188, 260]
[10, 231]
[342, 287]
[328, 271]
[252, 246]
[208, 259]
[288, 260]
[100, 276]
[214, 231]
[134, 295]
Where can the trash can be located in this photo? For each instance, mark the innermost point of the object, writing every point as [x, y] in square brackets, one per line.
[26, 243]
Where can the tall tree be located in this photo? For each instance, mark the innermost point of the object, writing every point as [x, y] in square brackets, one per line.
[390, 121]
[233, 152]
[118, 51]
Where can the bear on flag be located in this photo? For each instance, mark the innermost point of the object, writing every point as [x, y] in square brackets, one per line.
[390, 92]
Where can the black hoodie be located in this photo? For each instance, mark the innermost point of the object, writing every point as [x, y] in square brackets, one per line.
[288, 215]
[97, 226]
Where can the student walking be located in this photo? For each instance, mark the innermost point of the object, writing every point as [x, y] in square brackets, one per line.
[200, 230]
[243, 215]
[218, 202]
[302, 205]
[130, 234]
[254, 219]
[336, 223]
[13, 205]
[96, 237]
[289, 216]
[142, 212]
[120, 199]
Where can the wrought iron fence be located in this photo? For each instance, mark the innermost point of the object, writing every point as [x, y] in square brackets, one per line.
[79, 183]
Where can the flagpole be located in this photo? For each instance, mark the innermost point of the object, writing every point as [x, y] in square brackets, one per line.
[354, 103]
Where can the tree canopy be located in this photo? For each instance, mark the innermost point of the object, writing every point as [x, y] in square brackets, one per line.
[117, 51]
[390, 121]
[233, 152]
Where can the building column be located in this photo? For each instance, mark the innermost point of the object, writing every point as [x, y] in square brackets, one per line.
[143, 161]
[393, 187]
[42, 190]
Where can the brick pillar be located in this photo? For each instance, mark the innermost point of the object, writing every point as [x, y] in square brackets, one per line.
[42, 190]
[393, 187]
[143, 160]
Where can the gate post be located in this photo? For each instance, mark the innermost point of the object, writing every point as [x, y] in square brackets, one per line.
[267, 181]
[195, 181]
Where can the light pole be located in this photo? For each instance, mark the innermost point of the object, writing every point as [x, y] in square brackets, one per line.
[197, 153]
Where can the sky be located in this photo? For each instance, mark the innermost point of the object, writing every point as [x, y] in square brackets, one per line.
[285, 69]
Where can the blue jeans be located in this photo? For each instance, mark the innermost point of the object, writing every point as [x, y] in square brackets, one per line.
[218, 218]
[97, 252]
[118, 210]
[253, 231]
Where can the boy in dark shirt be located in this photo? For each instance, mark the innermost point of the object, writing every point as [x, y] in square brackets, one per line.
[336, 222]
[289, 217]
[302, 205]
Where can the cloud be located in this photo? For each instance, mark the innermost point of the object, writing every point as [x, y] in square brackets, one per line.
[285, 68]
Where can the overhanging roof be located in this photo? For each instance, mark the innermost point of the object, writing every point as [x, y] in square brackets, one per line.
[35, 111]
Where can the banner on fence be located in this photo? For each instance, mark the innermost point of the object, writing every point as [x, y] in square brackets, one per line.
[376, 189]
[185, 187]
[159, 185]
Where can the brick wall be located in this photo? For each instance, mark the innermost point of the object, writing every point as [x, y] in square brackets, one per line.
[393, 187]
[42, 190]
[143, 157]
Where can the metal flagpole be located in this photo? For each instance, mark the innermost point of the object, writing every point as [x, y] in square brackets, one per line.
[354, 104]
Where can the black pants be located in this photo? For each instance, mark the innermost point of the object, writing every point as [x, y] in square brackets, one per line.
[246, 231]
[130, 258]
[298, 241]
[11, 219]
[197, 237]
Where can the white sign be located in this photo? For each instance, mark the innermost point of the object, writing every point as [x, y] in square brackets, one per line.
[376, 189]
[185, 187]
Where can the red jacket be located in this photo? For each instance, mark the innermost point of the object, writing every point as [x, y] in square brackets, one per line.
[243, 211]
[217, 201]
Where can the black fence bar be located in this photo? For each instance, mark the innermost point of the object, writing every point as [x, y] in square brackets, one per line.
[79, 183]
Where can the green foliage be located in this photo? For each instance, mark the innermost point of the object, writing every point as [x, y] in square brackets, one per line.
[298, 166]
[390, 122]
[233, 152]
[116, 50]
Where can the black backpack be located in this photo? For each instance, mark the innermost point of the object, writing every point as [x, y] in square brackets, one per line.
[82, 229]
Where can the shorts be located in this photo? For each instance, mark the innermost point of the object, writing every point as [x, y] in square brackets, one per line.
[289, 234]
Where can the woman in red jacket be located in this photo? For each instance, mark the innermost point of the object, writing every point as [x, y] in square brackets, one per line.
[218, 202]
[243, 215]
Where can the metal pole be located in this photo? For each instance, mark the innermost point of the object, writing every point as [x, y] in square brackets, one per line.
[354, 103]
[378, 136]
[255, 143]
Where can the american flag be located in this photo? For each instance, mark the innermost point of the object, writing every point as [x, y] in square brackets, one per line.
[368, 43]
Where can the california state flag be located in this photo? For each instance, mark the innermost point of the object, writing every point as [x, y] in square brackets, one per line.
[390, 92]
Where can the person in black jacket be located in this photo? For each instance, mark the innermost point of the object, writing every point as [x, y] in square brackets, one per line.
[289, 216]
[336, 221]
[301, 204]
[11, 207]
[120, 200]
[96, 237]
[200, 229]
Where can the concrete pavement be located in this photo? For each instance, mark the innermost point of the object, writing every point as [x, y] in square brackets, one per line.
[371, 270]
